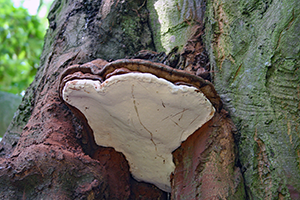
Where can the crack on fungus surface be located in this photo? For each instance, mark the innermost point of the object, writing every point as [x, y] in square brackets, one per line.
[138, 116]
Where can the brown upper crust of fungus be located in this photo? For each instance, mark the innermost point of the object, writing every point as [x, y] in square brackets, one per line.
[101, 70]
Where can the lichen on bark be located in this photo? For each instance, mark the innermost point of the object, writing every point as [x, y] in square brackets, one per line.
[254, 51]
[172, 21]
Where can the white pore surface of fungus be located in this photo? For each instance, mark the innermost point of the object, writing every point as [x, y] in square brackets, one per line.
[142, 116]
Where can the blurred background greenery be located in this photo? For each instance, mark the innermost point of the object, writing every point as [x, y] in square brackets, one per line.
[21, 42]
[23, 24]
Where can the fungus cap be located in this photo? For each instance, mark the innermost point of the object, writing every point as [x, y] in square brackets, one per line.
[142, 116]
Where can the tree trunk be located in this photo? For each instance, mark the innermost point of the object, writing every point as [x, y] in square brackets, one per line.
[254, 53]
[253, 50]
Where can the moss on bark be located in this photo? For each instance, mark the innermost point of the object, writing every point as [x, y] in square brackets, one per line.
[254, 49]
[171, 21]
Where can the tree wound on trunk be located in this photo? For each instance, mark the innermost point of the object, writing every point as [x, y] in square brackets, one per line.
[142, 109]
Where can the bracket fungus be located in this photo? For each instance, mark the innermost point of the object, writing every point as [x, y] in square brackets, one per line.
[142, 109]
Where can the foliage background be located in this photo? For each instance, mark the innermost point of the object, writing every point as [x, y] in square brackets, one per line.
[21, 42]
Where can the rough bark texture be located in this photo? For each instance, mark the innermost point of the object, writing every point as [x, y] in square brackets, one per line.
[206, 163]
[254, 52]
[80, 32]
[43, 155]
[254, 56]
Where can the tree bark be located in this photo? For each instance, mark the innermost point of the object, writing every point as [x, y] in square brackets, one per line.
[43, 155]
[254, 53]
[253, 49]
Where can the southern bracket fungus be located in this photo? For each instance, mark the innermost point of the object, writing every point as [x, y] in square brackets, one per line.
[142, 109]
